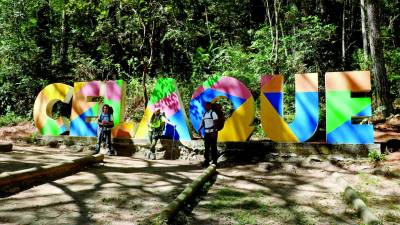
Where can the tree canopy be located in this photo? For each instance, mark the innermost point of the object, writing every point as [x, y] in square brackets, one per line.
[48, 41]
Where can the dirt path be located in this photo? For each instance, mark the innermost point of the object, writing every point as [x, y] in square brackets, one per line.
[121, 191]
[125, 190]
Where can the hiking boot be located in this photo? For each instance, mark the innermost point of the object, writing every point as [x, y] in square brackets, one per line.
[205, 164]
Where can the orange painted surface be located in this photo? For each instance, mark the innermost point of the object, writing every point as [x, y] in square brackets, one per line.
[307, 82]
[272, 83]
[355, 81]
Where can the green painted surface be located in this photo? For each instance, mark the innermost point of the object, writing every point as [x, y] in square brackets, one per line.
[340, 107]
[50, 128]
[211, 81]
[116, 105]
[163, 88]
[120, 83]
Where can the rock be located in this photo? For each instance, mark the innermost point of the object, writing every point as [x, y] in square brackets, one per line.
[6, 147]
[52, 144]
[77, 148]
[290, 168]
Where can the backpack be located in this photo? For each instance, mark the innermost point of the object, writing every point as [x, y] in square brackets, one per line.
[217, 108]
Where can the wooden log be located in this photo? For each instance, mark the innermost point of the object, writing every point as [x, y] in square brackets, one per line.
[173, 208]
[354, 198]
[14, 182]
[6, 147]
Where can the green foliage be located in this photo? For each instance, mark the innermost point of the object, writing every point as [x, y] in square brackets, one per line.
[10, 119]
[376, 156]
[45, 42]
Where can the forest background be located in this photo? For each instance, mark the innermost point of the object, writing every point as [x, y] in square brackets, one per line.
[67, 41]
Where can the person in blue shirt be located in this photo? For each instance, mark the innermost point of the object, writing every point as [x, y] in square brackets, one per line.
[106, 123]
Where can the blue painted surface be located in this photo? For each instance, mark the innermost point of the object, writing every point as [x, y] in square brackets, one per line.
[306, 121]
[197, 105]
[80, 128]
[351, 134]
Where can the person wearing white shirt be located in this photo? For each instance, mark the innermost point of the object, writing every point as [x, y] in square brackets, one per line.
[209, 122]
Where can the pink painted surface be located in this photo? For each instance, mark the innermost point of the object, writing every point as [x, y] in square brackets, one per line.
[198, 92]
[113, 91]
[232, 86]
[91, 89]
[169, 105]
[265, 79]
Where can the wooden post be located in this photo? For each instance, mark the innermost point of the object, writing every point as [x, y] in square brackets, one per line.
[14, 182]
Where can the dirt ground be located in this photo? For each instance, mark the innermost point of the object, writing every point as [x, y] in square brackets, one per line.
[123, 190]
[126, 190]
[305, 192]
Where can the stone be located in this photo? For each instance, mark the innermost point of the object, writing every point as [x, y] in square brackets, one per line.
[52, 144]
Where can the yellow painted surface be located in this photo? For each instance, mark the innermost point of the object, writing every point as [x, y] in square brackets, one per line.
[143, 129]
[238, 126]
[43, 106]
[124, 130]
[273, 125]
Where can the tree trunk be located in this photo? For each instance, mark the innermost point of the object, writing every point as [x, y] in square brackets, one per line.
[364, 31]
[43, 41]
[378, 60]
[344, 35]
[64, 39]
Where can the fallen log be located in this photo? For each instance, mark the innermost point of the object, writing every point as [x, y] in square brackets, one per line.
[173, 208]
[14, 182]
[354, 198]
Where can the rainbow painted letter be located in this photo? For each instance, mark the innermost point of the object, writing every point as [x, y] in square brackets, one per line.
[306, 97]
[341, 107]
[43, 109]
[238, 126]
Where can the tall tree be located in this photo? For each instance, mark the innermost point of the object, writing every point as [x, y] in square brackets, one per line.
[364, 31]
[378, 60]
[43, 40]
[64, 37]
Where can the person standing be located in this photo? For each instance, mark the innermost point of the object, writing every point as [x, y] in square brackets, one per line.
[209, 122]
[106, 122]
[156, 130]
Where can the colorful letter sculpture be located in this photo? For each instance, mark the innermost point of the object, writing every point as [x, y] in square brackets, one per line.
[238, 126]
[43, 109]
[84, 109]
[341, 107]
[165, 97]
[306, 97]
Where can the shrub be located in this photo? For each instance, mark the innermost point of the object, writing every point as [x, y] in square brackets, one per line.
[10, 119]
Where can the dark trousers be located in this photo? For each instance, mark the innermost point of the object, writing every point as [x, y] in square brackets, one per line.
[154, 135]
[106, 136]
[210, 142]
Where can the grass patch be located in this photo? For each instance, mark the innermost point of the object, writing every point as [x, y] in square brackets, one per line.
[252, 208]
[369, 179]
[11, 119]
[121, 202]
